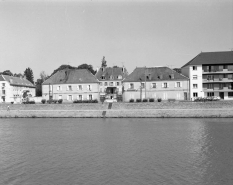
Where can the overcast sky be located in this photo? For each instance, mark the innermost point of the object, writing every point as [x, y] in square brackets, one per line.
[45, 34]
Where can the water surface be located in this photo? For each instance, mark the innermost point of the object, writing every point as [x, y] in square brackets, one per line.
[116, 151]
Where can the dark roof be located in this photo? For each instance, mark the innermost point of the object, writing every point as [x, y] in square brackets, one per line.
[223, 57]
[156, 74]
[111, 71]
[17, 81]
[71, 76]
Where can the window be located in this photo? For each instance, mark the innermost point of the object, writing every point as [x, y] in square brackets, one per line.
[111, 83]
[80, 87]
[195, 95]
[58, 88]
[111, 77]
[106, 83]
[153, 85]
[210, 86]
[118, 83]
[90, 96]
[80, 97]
[165, 85]
[194, 86]
[194, 77]
[177, 84]
[131, 86]
[230, 94]
[89, 87]
[70, 97]
[3, 84]
[142, 85]
[119, 77]
[69, 87]
[194, 68]
[103, 77]
[60, 97]
[210, 94]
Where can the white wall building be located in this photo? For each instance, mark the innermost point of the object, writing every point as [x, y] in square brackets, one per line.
[12, 88]
[210, 74]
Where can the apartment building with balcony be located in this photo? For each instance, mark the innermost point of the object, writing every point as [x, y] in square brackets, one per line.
[110, 79]
[12, 88]
[211, 74]
[155, 82]
[70, 85]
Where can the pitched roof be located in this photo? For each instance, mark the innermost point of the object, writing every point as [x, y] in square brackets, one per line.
[17, 81]
[223, 57]
[156, 74]
[111, 71]
[71, 76]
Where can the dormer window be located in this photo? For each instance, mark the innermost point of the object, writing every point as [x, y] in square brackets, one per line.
[119, 77]
[172, 76]
[160, 76]
[111, 77]
[103, 77]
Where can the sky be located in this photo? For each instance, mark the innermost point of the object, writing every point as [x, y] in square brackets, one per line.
[45, 34]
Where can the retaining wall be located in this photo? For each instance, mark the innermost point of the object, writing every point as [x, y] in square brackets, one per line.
[118, 110]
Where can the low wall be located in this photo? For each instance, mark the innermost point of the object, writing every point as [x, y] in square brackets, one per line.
[120, 110]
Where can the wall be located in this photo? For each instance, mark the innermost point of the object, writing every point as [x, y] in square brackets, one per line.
[75, 92]
[171, 92]
[197, 81]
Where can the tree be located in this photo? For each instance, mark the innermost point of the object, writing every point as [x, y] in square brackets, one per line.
[88, 67]
[28, 73]
[104, 62]
[178, 70]
[7, 72]
[43, 76]
[18, 75]
[63, 67]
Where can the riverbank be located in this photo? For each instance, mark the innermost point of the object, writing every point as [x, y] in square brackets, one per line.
[222, 109]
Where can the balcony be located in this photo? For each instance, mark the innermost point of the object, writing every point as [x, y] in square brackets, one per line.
[217, 80]
[216, 71]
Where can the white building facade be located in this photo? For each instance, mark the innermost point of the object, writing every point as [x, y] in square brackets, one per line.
[211, 74]
[12, 89]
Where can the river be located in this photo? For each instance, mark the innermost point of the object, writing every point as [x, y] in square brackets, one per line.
[116, 151]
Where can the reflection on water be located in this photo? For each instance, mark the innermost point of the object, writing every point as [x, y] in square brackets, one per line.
[116, 151]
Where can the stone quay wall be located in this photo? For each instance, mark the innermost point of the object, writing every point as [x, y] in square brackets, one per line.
[164, 109]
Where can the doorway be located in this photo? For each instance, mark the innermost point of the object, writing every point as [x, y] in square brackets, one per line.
[221, 94]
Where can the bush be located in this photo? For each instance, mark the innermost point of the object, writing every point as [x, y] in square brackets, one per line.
[145, 100]
[151, 100]
[49, 101]
[159, 99]
[59, 101]
[85, 101]
[138, 100]
[43, 101]
[12, 102]
[29, 102]
[131, 100]
[55, 101]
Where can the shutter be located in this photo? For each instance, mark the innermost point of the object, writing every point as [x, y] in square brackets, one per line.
[87, 96]
[151, 85]
[162, 84]
[91, 87]
[180, 84]
[61, 88]
[175, 84]
[67, 97]
[167, 85]
[129, 85]
[57, 88]
[67, 88]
